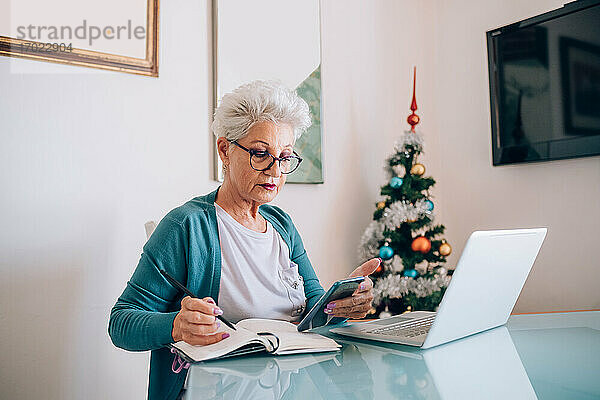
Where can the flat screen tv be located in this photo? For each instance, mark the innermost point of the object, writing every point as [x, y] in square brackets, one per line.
[545, 85]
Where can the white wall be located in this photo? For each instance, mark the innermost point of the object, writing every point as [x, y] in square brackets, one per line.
[86, 159]
[561, 195]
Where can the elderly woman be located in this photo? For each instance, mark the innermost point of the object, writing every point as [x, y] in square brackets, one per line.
[239, 255]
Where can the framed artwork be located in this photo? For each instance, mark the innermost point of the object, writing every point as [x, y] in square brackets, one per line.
[109, 35]
[580, 71]
[272, 39]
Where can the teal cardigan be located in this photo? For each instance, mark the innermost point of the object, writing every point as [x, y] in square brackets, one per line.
[186, 244]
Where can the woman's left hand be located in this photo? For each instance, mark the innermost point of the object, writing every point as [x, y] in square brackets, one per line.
[357, 305]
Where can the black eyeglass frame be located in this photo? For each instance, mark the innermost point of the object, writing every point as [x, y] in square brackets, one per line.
[253, 152]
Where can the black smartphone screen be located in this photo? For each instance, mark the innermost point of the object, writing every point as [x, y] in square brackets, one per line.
[316, 316]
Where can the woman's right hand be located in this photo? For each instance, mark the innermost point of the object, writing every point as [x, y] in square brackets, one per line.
[196, 323]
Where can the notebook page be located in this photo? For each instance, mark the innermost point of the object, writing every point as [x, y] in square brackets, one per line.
[290, 340]
[304, 342]
[267, 325]
[238, 338]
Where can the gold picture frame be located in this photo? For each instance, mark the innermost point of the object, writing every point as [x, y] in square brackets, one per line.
[11, 47]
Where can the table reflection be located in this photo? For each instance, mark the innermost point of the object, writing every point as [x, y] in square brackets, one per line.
[486, 365]
[333, 375]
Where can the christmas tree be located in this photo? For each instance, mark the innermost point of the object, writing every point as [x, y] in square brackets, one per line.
[412, 276]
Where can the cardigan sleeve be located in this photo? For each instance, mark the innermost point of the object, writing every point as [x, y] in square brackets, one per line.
[142, 318]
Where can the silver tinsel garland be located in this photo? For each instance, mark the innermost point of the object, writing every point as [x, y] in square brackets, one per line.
[394, 215]
[395, 286]
[394, 264]
[369, 242]
[402, 211]
[413, 139]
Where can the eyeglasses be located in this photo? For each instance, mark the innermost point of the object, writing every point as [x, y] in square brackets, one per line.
[263, 160]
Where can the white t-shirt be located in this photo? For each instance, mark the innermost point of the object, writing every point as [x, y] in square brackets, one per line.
[258, 279]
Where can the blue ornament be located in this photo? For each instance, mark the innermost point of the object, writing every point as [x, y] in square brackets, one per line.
[396, 182]
[386, 252]
[412, 273]
[429, 205]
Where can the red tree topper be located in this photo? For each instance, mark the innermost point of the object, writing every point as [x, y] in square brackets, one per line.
[413, 119]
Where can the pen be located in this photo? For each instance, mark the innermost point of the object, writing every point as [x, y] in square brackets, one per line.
[185, 290]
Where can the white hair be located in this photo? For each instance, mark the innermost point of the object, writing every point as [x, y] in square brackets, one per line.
[260, 101]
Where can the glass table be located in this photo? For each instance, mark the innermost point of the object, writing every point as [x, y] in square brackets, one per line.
[543, 356]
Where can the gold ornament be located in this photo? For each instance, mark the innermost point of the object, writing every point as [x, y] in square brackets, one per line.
[417, 169]
[410, 220]
[381, 205]
[445, 249]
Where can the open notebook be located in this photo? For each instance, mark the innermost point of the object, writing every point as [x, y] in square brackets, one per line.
[258, 335]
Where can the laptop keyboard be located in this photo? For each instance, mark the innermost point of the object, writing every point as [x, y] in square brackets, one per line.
[406, 329]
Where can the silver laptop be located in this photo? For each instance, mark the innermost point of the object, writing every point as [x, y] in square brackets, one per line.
[482, 293]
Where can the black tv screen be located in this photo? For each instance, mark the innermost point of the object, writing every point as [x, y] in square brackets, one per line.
[545, 85]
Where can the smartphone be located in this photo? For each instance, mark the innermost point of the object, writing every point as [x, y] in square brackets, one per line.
[316, 316]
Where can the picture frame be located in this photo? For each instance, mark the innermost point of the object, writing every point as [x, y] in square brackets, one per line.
[41, 51]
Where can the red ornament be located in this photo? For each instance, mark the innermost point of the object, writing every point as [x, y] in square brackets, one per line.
[378, 270]
[421, 244]
[413, 119]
